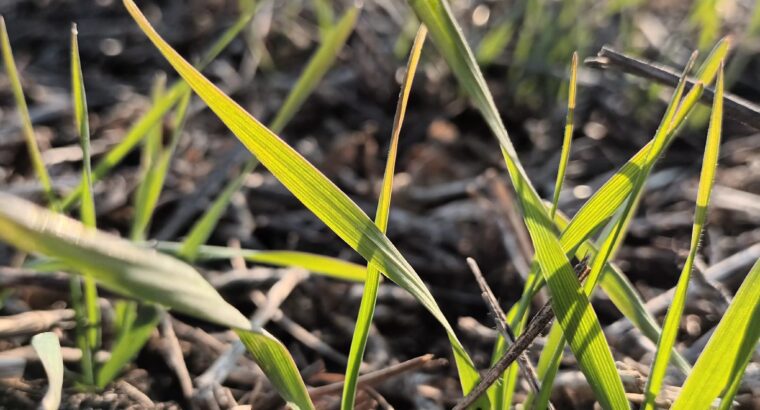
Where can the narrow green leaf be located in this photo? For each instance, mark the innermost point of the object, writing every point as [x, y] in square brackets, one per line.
[494, 42]
[141, 274]
[204, 226]
[149, 157]
[314, 190]
[568, 137]
[325, 16]
[23, 112]
[319, 264]
[571, 306]
[372, 284]
[673, 318]
[729, 350]
[315, 69]
[134, 335]
[88, 301]
[139, 130]
[48, 348]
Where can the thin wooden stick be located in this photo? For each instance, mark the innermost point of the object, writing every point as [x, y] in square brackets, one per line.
[529, 372]
[539, 322]
[735, 107]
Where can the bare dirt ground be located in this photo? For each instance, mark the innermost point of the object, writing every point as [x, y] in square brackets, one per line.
[449, 204]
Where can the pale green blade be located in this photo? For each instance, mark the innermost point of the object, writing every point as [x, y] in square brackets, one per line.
[86, 305]
[204, 226]
[139, 130]
[149, 157]
[611, 239]
[48, 348]
[568, 136]
[315, 69]
[323, 265]
[314, 190]
[149, 190]
[571, 306]
[140, 274]
[673, 318]
[729, 350]
[372, 284]
[325, 16]
[23, 112]
[132, 338]
[87, 206]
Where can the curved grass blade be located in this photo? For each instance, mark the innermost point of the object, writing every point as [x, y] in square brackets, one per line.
[323, 265]
[139, 130]
[48, 349]
[133, 336]
[314, 190]
[23, 112]
[568, 137]
[85, 300]
[144, 275]
[729, 350]
[673, 318]
[611, 239]
[571, 306]
[315, 69]
[372, 283]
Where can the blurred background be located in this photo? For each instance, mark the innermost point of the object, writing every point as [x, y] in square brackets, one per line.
[447, 203]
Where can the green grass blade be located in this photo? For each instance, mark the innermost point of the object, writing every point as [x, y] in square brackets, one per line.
[673, 318]
[612, 239]
[149, 157]
[372, 283]
[729, 350]
[87, 207]
[141, 274]
[571, 306]
[149, 190]
[315, 69]
[48, 349]
[494, 42]
[323, 265]
[323, 9]
[133, 336]
[568, 137]
[90, 309]
[314, 190]
[204, 226]
[139, 130]
[23, 112]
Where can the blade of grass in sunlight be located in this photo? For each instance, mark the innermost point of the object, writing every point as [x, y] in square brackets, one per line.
[23, 112]
[145, 275]
[568, 137]
[324, 265]
[372, 283]
[570, 305]
[134, 334]
[139, 130]
[604, 203]
[315, 69]
[315, 191]
[612, 238]
[88, 309]
[48, 348]
[505, 390]
[730, 348]
[673, 318]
